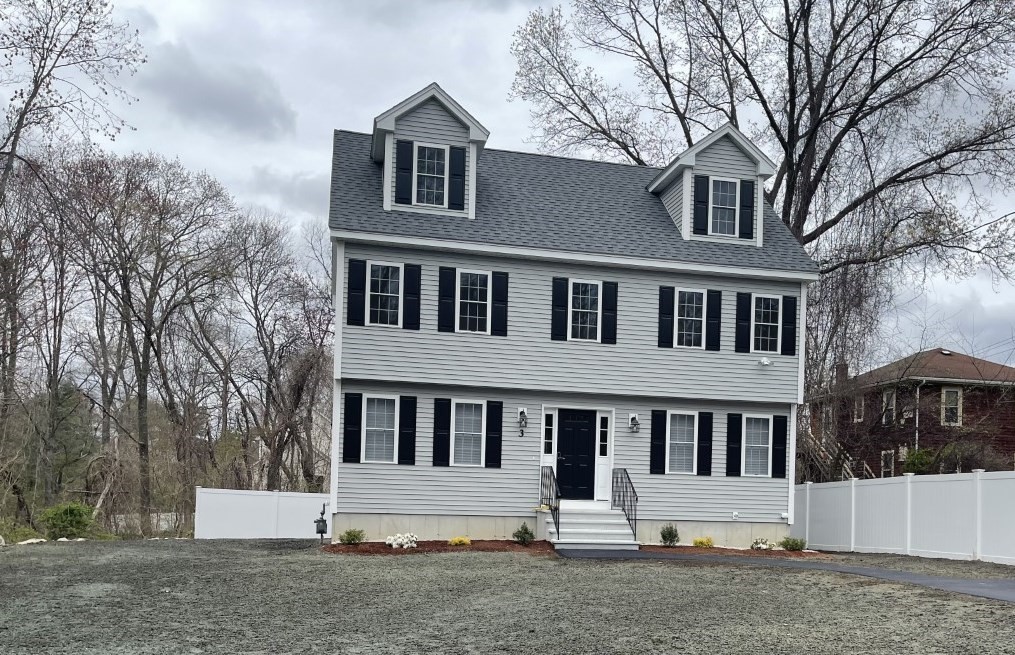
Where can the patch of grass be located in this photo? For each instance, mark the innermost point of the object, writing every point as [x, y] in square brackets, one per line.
[13, 532]
[704, 542]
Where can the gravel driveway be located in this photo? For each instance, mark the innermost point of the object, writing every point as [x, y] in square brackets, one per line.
[258, 597]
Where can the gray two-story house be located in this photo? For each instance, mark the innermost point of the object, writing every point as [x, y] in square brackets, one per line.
[595, 349]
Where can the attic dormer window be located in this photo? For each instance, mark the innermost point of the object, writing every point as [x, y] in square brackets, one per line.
[723, 208]
[430, 174]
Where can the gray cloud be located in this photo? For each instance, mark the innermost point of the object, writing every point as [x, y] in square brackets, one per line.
[217, 93]
[299, 191]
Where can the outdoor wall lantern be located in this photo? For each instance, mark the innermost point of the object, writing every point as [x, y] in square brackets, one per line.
[523, 421]
[633, 423]
[765, 361]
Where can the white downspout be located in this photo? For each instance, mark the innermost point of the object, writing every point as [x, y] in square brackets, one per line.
[916, 438]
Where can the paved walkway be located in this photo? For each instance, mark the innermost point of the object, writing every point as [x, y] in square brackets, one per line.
[997, 589]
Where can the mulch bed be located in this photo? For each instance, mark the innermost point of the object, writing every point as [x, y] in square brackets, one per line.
[481, 546]
[692, 550]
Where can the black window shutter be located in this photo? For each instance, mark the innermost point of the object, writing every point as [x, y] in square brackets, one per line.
[494, 432]
[743, 334]
[403, 172]
[704, 443]
[609, 334]
[352, 434]
[700, 225]
[734, 442]
[456, 178]
[407, 430]
[446, 299]
[788, 325]
[499, 309]
[746, 209]
[441, 431]
[713, 319]
[558, 322]
[780, 428]
[657, 442]
[666, 300]
[357, 289]
[410, 307]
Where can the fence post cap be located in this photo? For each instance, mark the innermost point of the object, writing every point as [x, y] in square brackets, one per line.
[909, 475]
[809, 482]
[979, 470]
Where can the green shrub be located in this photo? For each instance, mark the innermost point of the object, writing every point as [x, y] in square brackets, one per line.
[669, 535]
[70, 520]
[524, 535]
[792, 543]
[13, 532]
[459, 541]
[704, 542]
[352, 536]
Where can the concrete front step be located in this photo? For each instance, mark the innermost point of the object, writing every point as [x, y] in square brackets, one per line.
[591, 527]
[594, 544]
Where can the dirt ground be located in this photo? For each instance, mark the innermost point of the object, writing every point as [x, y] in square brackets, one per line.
[290, 597]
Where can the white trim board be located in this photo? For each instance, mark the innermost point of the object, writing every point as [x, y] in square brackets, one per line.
[566, 256]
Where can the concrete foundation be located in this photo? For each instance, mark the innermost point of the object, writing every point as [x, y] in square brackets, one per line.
[735, 534]
[431, 527]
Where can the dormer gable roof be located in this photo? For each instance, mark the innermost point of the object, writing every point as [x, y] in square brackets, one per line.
[385, 122]
[766, 167]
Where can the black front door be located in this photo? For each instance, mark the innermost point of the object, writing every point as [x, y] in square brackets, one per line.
[576, 453]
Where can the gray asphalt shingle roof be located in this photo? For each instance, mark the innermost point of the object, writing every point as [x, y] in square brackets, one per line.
[547, 202]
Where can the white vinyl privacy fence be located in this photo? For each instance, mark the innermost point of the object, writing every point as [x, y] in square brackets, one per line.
[957, 516]
[235, 514]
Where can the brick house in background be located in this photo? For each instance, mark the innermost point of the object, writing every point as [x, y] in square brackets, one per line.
[958, 409]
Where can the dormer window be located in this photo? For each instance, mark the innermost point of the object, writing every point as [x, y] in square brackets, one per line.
[430, 174]
[723, 207]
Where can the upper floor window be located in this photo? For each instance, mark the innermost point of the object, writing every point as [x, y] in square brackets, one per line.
[380, 429]
[585, 310]
[430, 174]
[888, 407]
[951, 406]
[474, 301]
[682, 437]
[858, 409]
[757, 445]
[723, 207]
[690, 318]
[766, 324]
[385, 294]
[467, 434]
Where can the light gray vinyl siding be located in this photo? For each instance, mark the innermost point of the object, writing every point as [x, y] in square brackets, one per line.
[431, 123]
[725, 159]
[513, 489]
[673, 200]
[528, 359]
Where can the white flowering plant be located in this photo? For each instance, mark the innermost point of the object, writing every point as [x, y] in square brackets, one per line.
[407, 540]
[762, 544]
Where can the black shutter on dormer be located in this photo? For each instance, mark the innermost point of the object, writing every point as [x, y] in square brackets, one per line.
[780, 431]
[446, 299]
[403, 172]
[700, 210]
[713, 319]
[456, 178]
[666, 303]
[746, 209]
[352, 434]
[494, 432]
[657, 443]
[742, 343]
[499, 308]
[558, 319]
[788, 325]
[704, 443]
[357, 287]
[407, 430]
[734, 444]
[609, 313]
[410, 297]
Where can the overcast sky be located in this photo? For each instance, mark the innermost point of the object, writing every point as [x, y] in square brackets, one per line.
[251, 90]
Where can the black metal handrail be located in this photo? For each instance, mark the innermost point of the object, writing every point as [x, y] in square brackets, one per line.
[549, 495]
[625, 498]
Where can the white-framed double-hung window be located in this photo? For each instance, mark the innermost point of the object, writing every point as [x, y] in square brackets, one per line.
[682, 442]
[473, 301]
[951, 406]
[765, 325]
[380, 429]
[723, 207]
[585, 310]
[385, 294]
[430, 173]
[757, 451]
[468, 425]
[690, 324]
